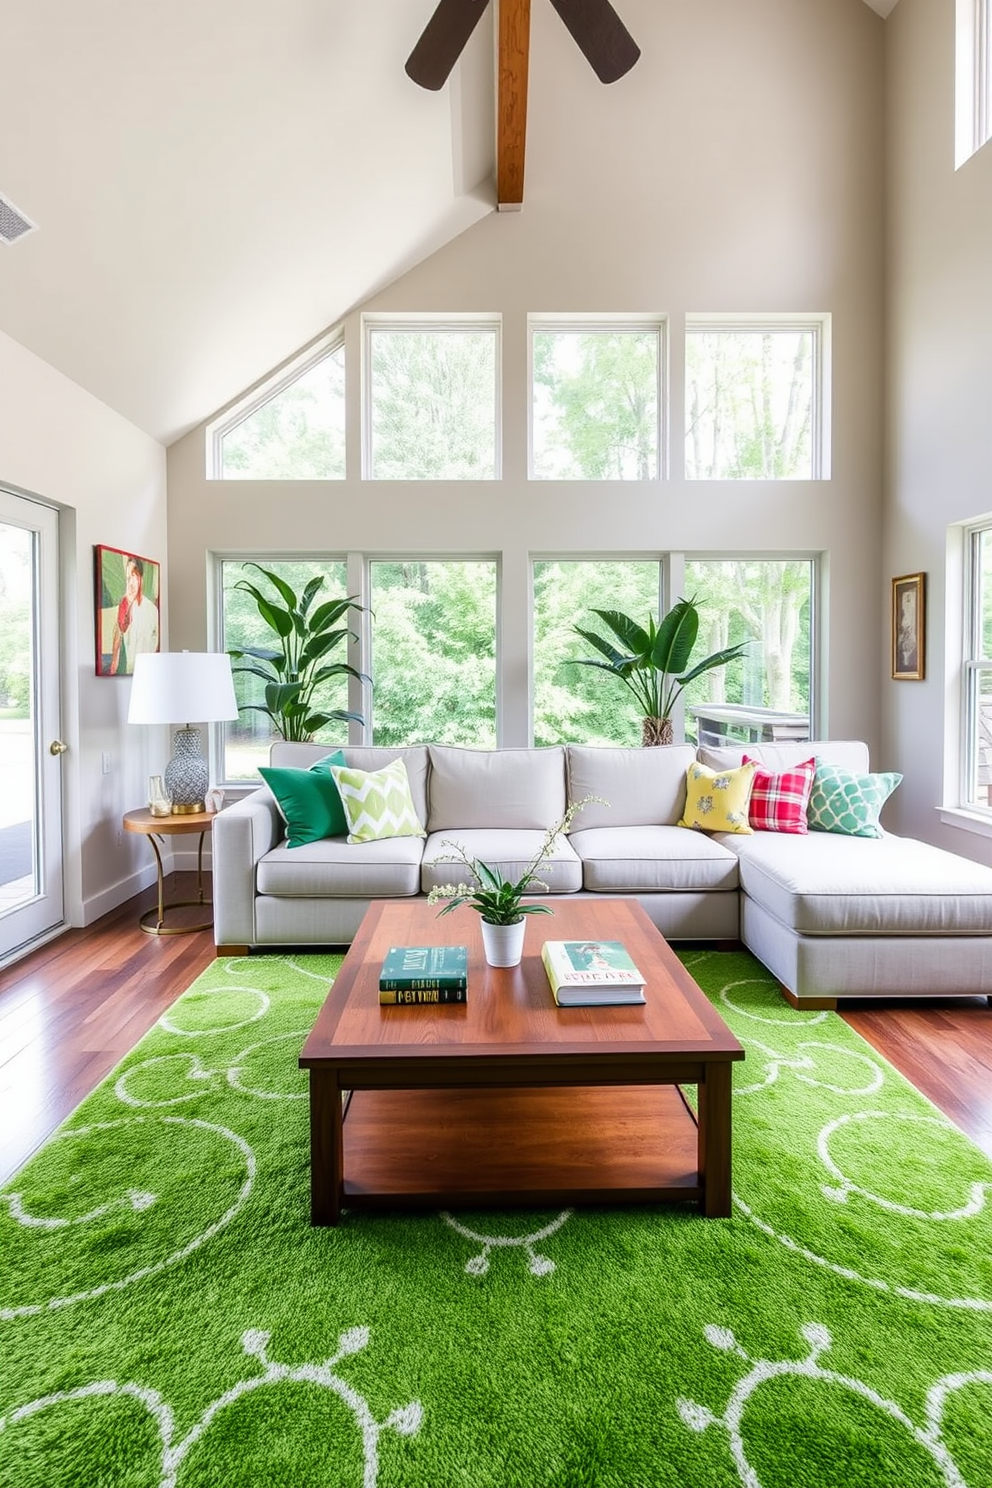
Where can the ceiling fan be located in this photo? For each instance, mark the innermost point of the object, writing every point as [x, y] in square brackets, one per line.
[595, 27]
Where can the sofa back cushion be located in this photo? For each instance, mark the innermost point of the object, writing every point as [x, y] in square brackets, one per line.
[361, 757]
[847, 754]
[495, 787]
[644, 787]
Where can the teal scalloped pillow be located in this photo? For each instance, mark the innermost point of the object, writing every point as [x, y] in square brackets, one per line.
[850, 804]
[308, 801]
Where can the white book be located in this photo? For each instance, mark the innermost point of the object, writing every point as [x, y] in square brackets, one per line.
[591, 973]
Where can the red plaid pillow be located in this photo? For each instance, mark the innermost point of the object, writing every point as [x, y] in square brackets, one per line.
[778, 802]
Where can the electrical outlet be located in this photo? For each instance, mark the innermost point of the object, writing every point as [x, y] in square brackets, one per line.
[105, 761]
[120, 838]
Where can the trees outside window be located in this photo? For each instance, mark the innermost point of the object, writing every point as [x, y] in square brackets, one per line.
[431, 396]
[571, 703]
[768, 603]
[752, 403]
[297, 433]
[434, 652]
[595, 402]
[247, 740]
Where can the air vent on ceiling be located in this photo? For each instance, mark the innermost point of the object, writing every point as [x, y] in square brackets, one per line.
[13, 224]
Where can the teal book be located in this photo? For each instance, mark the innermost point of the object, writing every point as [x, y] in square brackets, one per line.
[423, 969]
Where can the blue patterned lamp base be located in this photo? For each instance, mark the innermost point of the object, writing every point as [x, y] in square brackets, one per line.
[187, 774]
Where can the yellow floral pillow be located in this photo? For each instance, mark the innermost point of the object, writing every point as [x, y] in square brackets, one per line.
[717, 800]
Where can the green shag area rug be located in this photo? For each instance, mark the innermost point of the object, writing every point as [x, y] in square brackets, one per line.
[170, 1318]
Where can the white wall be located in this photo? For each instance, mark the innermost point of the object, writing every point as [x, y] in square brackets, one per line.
[738, 167]
[108, 479]
[939, 375]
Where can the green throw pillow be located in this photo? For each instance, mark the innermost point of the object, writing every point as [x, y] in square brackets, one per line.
[308, 800]
[845, 802]
[377, 803]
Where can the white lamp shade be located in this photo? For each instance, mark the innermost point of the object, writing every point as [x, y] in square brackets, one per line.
[182, 687]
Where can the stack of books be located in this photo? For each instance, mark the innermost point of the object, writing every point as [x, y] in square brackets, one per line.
[591, 973]
[424, 974]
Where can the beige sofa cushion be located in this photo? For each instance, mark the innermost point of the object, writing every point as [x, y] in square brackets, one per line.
[635, 860]
[825, 884]
[336, 869]
[508, 788]
[848, 754]
[642, 786]
[361, 757]
[509, 850]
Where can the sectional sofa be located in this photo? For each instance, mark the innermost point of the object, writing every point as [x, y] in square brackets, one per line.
[830, 915]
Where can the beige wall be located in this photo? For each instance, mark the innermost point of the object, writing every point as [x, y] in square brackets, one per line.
[108, 479]
[738, 168]
[939, 377]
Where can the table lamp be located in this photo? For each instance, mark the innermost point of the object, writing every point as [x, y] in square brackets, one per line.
[173, 687]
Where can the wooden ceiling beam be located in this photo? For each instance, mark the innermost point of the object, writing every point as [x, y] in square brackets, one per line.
[511, 107]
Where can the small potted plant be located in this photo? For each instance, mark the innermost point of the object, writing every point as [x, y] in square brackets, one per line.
[500, 901]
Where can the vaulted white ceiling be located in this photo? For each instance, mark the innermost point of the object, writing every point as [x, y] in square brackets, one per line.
[215, 182]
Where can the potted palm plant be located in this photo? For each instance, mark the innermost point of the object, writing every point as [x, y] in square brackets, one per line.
[655, 662]
[298, 666]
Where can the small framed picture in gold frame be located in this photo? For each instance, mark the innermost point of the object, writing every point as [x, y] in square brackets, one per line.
[908, 628]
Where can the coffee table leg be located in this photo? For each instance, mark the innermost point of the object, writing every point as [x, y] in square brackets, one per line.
[714, 1141]
[326, 1149]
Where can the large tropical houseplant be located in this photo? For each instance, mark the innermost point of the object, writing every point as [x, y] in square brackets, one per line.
[298, 666]
[654, 663]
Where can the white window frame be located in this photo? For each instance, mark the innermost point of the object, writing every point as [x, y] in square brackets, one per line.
[656, 325]
[973, 667]
[263, 393]
[442, 324]
[819, 325]
[972, 78]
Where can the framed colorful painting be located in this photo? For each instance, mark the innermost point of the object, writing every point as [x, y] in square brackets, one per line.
[908, 628]
[127, 609]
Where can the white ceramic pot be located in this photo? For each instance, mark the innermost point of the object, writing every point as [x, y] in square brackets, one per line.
[503, 944]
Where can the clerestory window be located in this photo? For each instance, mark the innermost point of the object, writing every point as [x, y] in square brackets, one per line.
[291, 428]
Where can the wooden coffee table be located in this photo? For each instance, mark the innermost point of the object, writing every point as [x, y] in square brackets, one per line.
[509, 1099]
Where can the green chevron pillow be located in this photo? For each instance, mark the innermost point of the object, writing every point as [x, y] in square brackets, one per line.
[377, 803]
[845, 802]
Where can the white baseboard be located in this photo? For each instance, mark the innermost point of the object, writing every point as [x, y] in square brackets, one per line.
[116, 894]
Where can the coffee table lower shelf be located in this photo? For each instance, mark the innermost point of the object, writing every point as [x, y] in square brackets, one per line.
[534, 1146]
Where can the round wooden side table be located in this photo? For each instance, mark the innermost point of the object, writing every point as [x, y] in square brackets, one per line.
[155, 827]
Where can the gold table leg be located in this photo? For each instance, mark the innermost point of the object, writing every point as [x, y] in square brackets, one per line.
[153, 921]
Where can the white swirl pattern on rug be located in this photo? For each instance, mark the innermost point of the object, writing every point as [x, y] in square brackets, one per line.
[405, 1421]
[197, 1072]
[154, 1268]
[929, 1437]
[537, 1264]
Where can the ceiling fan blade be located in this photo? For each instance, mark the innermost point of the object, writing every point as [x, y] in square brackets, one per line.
[600, 35]
[443, 41]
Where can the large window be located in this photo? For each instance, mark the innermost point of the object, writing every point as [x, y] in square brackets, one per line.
[578, 704]
[977, 726]
[767, 692]
[246, 742]
[291, 429]
[754, 401]
[596, 401]
[432, 401]
[434, 652]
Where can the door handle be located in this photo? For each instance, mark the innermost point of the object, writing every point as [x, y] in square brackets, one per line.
[57, 747]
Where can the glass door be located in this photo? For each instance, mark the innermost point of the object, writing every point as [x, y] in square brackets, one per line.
[31, 747]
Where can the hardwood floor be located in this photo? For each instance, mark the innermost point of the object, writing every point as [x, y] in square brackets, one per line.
[70, 1010]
